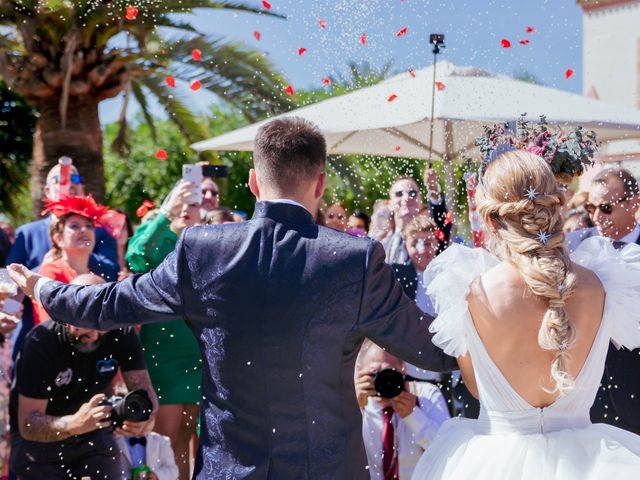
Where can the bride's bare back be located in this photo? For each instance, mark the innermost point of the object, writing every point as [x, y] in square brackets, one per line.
[508, 317]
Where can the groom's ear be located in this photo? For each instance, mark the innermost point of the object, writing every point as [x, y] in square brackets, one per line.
[253, 183]
[320, 185]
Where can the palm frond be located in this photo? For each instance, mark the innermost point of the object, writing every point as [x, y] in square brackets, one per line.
[139, 95]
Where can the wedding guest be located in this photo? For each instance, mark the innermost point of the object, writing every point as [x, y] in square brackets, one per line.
[210, 196]
[614, 200]
[336, 217]
[59, 426]
[33, 241]
[5, 247]
[150, 215]
[171, 351]
[406, 203]
[382, 224]
[579, 200]
[7, 227]
[359, 220]
[123, 239]
[396, 431]
[219, 216]
[577, 219]
[73, 239]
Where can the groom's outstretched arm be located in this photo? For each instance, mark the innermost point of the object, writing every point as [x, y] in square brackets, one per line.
[393, 321]
[146, 298]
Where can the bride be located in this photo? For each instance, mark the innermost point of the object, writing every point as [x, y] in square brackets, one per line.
[530, 329]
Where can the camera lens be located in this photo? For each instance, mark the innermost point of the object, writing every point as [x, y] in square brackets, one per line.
[389, 383]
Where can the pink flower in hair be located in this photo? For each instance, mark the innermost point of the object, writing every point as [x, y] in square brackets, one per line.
[536, 150]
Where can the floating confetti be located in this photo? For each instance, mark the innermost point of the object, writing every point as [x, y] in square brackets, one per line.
[397, 149]
[531, 30]
[322, 23]
[257, 35]
[301, 51]
[132, 13]
[141, 211]
[412, 73]
[440, 235]
[162, 155]
[568, 74]
[505, 43]
[196, 55]
[363, 39]
[440, 86]
[524, 42]
[195, 85]
[148, 204]
[266, 4]
[392, 97]
[448, 218]
[326, 80]
[402, 32]
[169, 80]
[289, 90]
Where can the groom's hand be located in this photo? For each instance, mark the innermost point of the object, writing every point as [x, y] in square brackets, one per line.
[24, 277]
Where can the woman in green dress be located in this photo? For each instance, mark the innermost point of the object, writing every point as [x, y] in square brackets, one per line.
[171, 350]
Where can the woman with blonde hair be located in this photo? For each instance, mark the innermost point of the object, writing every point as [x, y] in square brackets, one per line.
[531, 328]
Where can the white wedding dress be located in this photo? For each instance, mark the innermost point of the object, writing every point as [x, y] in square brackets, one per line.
[513, 440]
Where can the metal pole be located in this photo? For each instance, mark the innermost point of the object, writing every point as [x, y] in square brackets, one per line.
[433, 104]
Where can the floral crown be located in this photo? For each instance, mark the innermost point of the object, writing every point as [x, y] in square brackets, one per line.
[85, 206]
[567, 154]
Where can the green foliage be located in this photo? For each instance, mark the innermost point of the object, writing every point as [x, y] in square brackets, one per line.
[17, 125]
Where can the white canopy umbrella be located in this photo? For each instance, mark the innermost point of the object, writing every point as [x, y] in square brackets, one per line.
[392, 118]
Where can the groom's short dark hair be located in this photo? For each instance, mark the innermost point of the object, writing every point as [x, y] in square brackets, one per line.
[289, 150]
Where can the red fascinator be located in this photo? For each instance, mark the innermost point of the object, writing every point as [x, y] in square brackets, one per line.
[84, 206]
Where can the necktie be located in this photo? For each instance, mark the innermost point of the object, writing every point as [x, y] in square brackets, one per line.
[617, 244]
[389, 454]
[135, 440]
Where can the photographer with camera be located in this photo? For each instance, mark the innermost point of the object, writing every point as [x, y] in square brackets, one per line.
[399, 418]
[62, 421]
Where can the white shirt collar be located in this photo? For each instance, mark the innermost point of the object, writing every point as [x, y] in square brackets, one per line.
[287, 201]
[632, 236]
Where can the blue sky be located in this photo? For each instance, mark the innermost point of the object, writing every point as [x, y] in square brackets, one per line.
[473, 29]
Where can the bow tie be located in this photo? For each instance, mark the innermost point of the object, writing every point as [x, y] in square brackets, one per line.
[138, 440]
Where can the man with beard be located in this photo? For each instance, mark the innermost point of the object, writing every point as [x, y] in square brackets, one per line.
[60, 427]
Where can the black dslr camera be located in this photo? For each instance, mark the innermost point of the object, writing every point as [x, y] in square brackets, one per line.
[135, 406]
[389, 383]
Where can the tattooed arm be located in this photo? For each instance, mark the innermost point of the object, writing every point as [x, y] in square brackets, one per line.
[37, 426]
[139, 380]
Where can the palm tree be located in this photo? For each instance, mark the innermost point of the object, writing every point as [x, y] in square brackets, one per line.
[64, 59]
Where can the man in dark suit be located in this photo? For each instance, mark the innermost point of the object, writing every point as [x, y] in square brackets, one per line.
[33, 241]
[613, 203]
[280, 307]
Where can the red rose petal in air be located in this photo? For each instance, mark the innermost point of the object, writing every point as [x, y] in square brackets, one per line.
[397, 149]
[326, 81]
[148, 204]
[568, 74]
[196, 55]
[531, 30]
[142, 211]
[505, 43]
[392, 97]
[440, 86]
[169, 80]
[301, 51]
[195, 85]
[449, 218]
[402, 32]
[162, 155]
[524, 42]
[257, 35]
[439, 235]
[289, 90]
[132, 13]
[412, 73]
[363, 39]
[266, 4]
[323, 23]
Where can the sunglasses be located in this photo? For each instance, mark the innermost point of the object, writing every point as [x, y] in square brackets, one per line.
[411, 193]
[75, 178]
[215, 193]
[605, 208]
[339, 216]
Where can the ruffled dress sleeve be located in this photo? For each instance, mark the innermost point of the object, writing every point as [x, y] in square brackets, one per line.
[448, 278]
[619, 272]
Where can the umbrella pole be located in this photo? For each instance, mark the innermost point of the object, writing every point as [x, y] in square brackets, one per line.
[437, 40]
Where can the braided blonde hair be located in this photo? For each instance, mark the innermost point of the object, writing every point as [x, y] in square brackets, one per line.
[521, 224]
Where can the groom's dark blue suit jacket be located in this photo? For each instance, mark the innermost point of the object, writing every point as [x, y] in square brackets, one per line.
[280, 307]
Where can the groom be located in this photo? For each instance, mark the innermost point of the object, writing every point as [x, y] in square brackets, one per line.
[280, 307]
